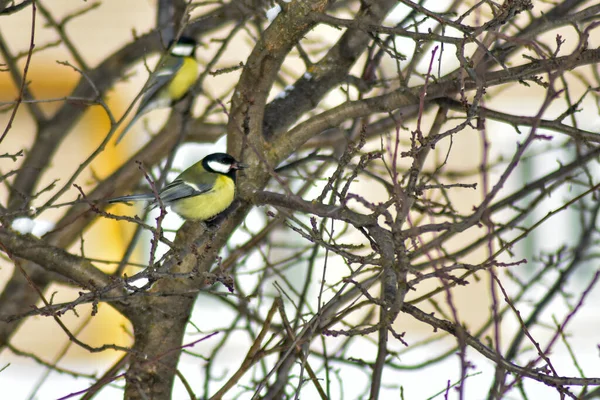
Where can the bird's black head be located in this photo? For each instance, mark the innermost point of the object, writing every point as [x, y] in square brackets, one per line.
[222, 163]
[184, 47]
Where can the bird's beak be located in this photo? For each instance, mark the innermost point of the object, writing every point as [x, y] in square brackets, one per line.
[239, 165]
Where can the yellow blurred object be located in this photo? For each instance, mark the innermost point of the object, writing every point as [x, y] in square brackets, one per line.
[104, 240]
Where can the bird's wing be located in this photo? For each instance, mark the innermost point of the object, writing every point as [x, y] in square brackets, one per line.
[161, 78]
[178, 189]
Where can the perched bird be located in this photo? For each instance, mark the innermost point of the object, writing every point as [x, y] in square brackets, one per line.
[171, 82]
[200, 192]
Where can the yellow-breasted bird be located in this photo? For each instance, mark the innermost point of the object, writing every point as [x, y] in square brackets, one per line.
[200, 192]
[171, 82]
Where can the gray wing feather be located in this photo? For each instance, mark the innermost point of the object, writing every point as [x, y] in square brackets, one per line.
[160, 80]
[178, 189]
[174, 191]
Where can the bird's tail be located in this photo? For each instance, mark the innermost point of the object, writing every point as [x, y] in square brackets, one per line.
[127, 127]
[133, 197]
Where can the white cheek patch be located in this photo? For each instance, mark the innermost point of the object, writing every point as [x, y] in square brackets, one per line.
[219, 167]
[182, 50]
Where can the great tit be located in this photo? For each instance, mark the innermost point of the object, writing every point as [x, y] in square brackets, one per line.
[171, 82]
[200, 192]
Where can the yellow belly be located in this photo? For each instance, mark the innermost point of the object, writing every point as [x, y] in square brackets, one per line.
[184, 79]
[209, 204]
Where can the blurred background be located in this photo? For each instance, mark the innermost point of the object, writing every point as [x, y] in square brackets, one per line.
[108, 27]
